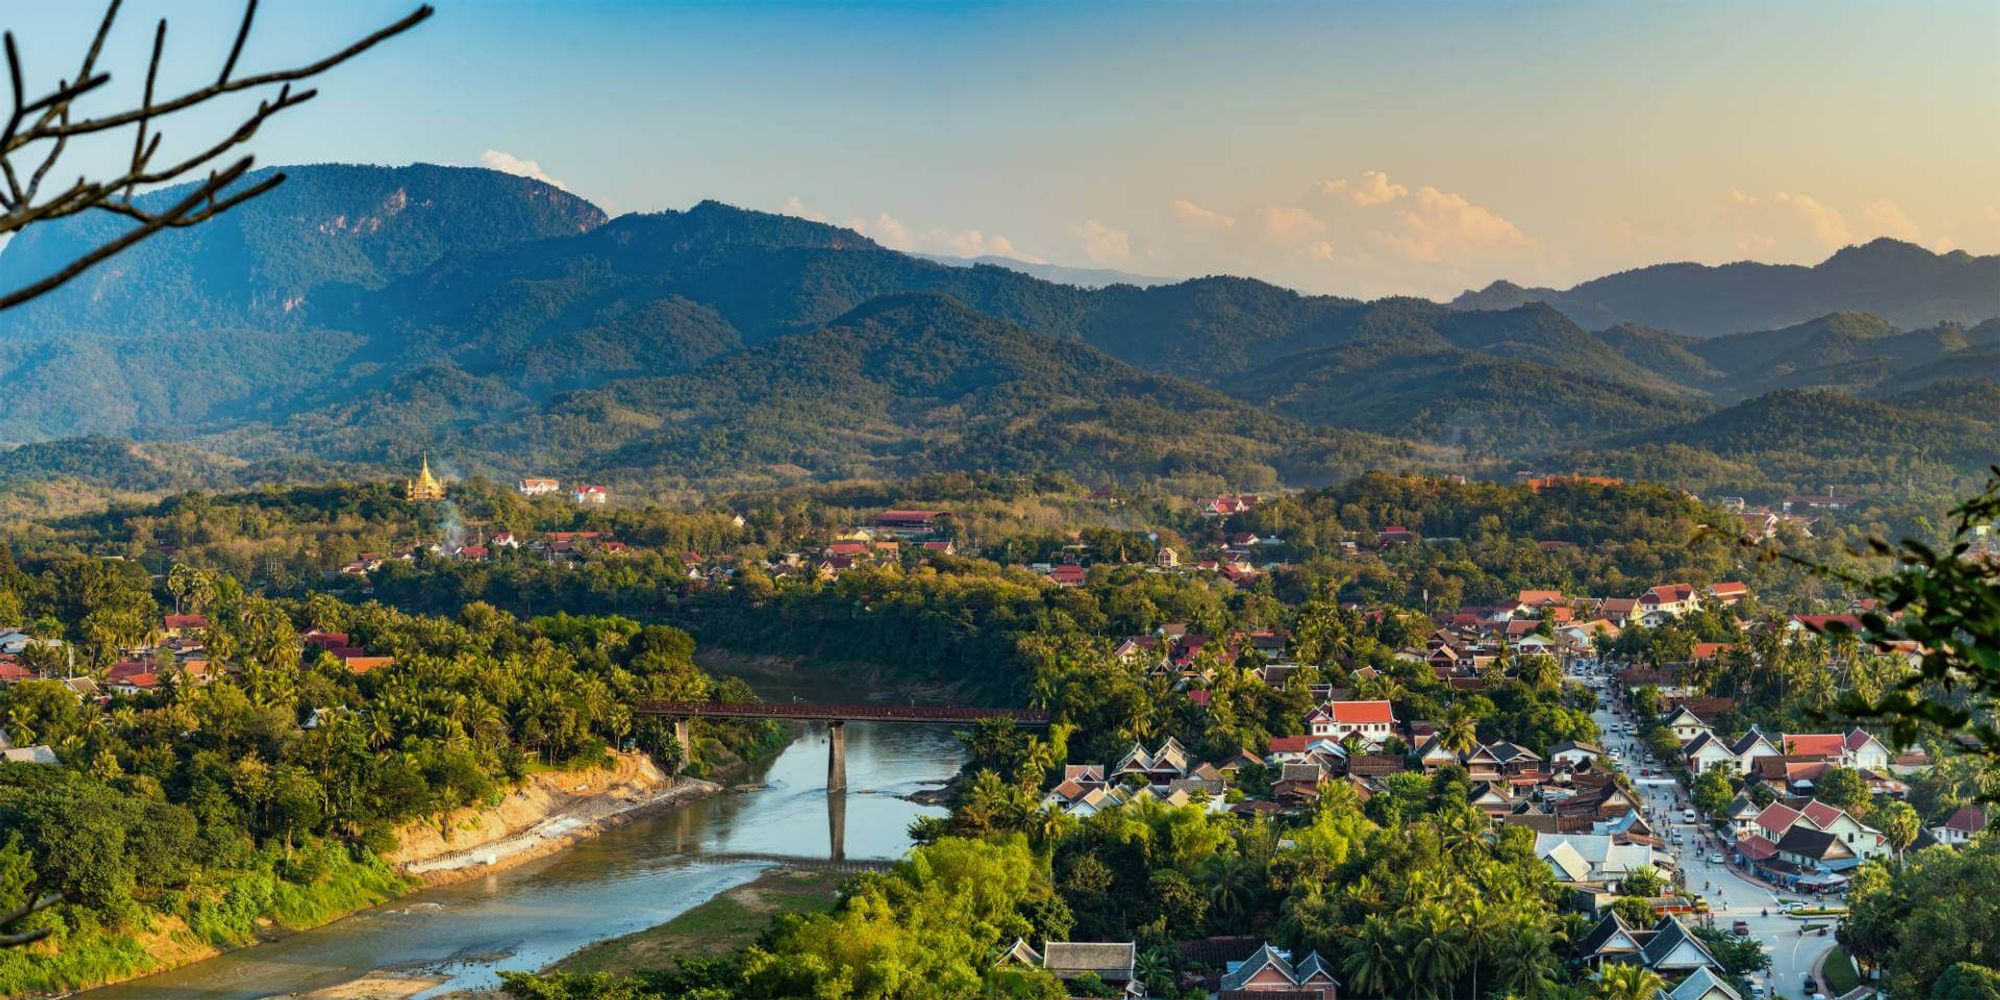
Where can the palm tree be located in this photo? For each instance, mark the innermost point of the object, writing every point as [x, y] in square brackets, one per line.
[1436, 955]
[1374, 963]
[1628, 982]
[1524, 961]
[1900, 824]
[1231, 884]
[1461, 731]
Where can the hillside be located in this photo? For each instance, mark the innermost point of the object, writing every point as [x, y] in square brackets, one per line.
[366, 314]
[328, 228]
[904, 384]
[1795, 441]
[1901, 282]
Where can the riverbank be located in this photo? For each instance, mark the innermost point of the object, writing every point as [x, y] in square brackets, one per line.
[723, 925]
[542, 815]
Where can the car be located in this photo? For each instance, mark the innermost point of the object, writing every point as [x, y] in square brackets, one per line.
[1715, 859]
[1687, 816]
[1741, 928]
[1758, 991]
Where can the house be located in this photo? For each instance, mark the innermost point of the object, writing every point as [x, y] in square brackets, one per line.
[1799, 625]
[534, 487]
[1810, 501]
[1620, 611]
[1963, 825]
[1611, 941]
[1433, 755]
[591, 496]
[1824, 746]
[1068, 575]
[1684, 724]
[1394, 534]
[1862, 750]
[1670, 600]
[38, 754]
[1865, 841]
[1589, 857]
[1674, 949]
[1707, 751]
[1373, 721]
[1814, 850]
[1728, 594]
[912, 523]
[1066, 960]
[1574, 753]
[1703, 984]
[1268, 972]
[177, 626]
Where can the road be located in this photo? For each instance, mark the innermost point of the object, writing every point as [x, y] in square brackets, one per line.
[1731, 895]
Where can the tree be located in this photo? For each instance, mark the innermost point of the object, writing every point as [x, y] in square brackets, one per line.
[1642, 882]
[1947, 604]
[1845, 788]
[1628, 982]
[1712, 792]
[1900, 823]
[43, 124]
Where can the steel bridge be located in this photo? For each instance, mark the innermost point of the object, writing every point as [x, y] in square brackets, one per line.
[836, 718]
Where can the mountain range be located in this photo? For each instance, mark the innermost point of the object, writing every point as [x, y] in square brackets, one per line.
[361, 315]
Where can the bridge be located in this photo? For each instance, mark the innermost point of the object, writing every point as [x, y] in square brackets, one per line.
[836, 718]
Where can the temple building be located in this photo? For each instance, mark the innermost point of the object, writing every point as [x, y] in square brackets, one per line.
[425, 488]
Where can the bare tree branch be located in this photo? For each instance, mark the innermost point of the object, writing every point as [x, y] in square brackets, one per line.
[38, 129]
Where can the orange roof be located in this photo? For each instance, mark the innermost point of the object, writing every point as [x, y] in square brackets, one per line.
[1814, 744]
[1353, 712]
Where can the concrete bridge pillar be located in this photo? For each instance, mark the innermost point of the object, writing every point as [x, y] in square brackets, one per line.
[836, 756]
[686, 742]
[836, 825]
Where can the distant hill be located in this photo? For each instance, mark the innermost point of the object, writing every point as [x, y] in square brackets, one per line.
[365, 314]
[1815, 440]
[1081, 277]
[262, 263]
[1900, 282]
[901, 385]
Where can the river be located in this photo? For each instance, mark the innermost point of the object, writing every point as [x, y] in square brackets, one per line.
[630, 878]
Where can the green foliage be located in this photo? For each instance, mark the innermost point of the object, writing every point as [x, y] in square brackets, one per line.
[1920, 918]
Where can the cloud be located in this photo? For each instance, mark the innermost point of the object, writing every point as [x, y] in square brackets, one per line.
[1884, 218]
[1202, 218]
[896, 234]
[1287, 224]
[508, 163]
[1374, 188]
[1441, 225]
[796, 206]
[1101, 243]
[1802, 214]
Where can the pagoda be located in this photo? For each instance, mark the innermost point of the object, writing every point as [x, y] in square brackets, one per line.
[425, 488]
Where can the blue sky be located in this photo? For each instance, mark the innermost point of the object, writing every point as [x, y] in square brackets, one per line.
[1363, 148]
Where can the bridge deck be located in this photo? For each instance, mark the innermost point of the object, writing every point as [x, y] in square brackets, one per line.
[837, 713]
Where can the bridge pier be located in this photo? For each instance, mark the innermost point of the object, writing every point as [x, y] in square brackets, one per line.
[686, 742]
[836, 756]
[836, 825]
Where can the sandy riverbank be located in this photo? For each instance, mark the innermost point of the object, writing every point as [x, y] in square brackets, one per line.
[545, 814]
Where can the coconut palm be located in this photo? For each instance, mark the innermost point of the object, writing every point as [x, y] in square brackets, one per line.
[1629, 982]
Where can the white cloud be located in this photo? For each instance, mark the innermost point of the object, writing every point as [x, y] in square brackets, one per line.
[1374, 188]
[891, 232]
[1884, 218]
[508, 163]
[1202, 218]
[1828, 226]
[1287, 224]
[1101, 243]
[1787, 224]
[796, 206]
[1442, 225]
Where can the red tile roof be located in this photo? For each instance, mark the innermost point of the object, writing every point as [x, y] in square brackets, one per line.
[1813, 744]
[1358, 712]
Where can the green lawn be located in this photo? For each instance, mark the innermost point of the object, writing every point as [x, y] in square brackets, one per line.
[1840, 972]
[720, 926]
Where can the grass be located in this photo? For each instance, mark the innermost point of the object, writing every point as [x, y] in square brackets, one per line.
[718, 927]
[1839, 971]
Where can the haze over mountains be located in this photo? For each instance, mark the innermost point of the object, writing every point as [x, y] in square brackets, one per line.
[365, 314]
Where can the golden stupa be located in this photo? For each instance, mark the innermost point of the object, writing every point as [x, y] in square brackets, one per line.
[425, 488]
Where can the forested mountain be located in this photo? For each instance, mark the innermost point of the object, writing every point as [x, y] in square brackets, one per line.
[365, 314]
[1902, 282]
[326, 227]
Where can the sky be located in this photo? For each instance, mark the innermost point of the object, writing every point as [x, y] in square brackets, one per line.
[1357, 148]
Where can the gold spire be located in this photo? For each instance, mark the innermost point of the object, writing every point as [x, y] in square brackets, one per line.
[425, 488]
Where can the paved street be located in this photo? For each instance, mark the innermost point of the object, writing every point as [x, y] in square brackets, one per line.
[1731, 895]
